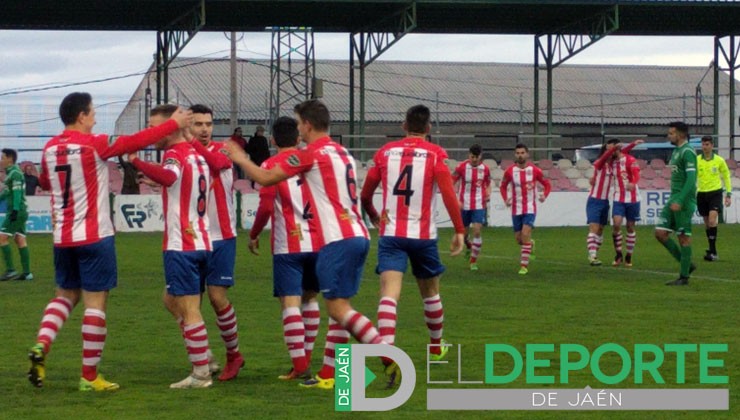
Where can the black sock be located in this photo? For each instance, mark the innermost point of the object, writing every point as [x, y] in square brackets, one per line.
[712, 237]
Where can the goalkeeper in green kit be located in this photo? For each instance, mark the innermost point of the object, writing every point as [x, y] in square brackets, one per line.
[16, 215]
[677, 213]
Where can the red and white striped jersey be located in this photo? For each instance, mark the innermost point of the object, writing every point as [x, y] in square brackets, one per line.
[474, 180]
[294, 227]
[626, 170]
[330, 173]
[185, 202]
[407, 176]
[73, 167]
[520, 184]
[603, 177]
[221, 214]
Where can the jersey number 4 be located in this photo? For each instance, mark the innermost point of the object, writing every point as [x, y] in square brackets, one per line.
[403, 184]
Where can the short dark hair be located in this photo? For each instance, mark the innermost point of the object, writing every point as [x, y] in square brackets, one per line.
[522, 146]
[164, 110]
[11, 153]
[314, 112]
[475, 149]
[285, 132]
[707, 139]
[74, 104]
[201, 109]
[612, 141]
[417, 119]
[681, 127]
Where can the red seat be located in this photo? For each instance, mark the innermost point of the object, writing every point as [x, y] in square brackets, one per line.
[545, 164]
[657, 164]
[506, 164]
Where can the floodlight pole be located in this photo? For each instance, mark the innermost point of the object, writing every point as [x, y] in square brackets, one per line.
[292, 68]
[729, 54]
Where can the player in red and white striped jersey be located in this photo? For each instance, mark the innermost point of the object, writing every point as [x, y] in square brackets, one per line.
[184, 174]
[626, 203]
[296, 241]
[474, 193]
[330, 173]
[410, 171]
[222, 231]
[73, 167]
[597, 205]
[519, 191]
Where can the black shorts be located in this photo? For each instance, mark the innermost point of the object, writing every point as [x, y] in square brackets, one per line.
[708, 201]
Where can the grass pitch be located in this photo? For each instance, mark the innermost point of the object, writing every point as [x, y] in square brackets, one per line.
[561, 300]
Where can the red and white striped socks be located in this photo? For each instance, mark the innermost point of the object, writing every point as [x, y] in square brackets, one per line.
[93, 341]
[434, 317]
[294, 335]
[526, 253]
[592, 244]
[56, 313]
[226, 321]
[311, 321]
[196, 343]
[387, 319]
[475, 249]
[361, 328]
[336, 335]
[617, 242]
[631, 241]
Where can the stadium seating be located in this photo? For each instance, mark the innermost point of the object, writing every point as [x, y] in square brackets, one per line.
[644, 183]
[657, 164]
[115, 185]
[491, 163]
[506, 164]
[660, 184]
[642, 163]
[735, 183]
[732, 164]
[648, 173]
[583, 184]
[565, 164]
[452, 164]
[545, 164]
[588, 173]
[572, 173]
[555, 173]
[497, 174]
[583, 164]
[737, 172]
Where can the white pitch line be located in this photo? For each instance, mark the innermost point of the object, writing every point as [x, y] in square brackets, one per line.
[635, 270]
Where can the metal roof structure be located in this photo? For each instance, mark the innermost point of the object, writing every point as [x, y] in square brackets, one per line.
[461, 92]
[637, 17]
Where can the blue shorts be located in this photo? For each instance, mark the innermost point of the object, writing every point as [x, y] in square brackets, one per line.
[221, 263]
[340, 265]
[294, 273]
[597, 211]
[523, 219]
[88, 267]
[473, 216]
[394, 254]
[183, 271]
[629, 211]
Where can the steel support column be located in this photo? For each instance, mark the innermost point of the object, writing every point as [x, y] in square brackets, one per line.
[171, 40]
[563, 44]
[367, 46]
[726, 54]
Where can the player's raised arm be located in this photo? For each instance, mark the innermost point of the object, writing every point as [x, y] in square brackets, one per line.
[264, 177]
[128, 144]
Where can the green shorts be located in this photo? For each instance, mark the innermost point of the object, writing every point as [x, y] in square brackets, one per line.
[16, 227]
[677, 221]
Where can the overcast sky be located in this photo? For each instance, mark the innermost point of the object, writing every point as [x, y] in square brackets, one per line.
[32, 59]
[37, 60]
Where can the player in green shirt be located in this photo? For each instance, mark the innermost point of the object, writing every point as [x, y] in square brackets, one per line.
[676, 215]
[16, 215]
[712, 172]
